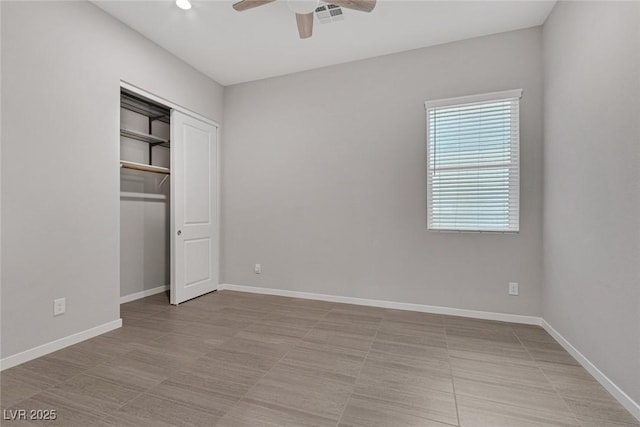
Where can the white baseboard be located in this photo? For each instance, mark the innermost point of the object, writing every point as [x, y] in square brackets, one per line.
[486, 315]
[44, 349]
[142, 294]
[630, 405]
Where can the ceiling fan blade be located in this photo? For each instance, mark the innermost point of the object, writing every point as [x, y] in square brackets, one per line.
[361, 5]
[305, 24]
[250, 4]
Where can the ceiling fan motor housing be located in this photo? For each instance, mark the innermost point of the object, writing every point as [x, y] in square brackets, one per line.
[303, 6]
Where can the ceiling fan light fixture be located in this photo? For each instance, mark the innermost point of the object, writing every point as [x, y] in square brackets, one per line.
[303, 7]
[183, 4]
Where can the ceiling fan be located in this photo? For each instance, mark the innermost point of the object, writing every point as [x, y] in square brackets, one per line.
[304, 10]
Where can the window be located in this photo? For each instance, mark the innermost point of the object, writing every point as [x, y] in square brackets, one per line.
[473, 163]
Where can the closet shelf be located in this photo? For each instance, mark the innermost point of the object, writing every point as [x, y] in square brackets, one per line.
[144, 137]
[130, 195]
[142, 167]
[131, 102]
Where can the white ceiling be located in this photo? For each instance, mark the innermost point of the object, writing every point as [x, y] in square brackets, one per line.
[233, 47]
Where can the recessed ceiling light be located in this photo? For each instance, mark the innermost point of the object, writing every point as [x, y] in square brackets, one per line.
[183, 4]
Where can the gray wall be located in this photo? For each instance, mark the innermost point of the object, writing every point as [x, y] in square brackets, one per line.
[592, 183]
[325, 182]
[61, 67]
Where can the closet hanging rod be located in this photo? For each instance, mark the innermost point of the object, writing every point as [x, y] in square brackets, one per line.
[142, 167]
[130, 195]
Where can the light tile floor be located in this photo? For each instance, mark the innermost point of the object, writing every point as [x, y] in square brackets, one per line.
[238, 359]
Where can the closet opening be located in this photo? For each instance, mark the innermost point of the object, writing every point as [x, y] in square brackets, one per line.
[145, 197]
[169, 199]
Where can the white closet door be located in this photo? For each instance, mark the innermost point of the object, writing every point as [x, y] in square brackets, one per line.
[194, 207]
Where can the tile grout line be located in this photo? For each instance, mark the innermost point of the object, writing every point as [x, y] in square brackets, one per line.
[155, 396]
[453, 384]
[275, 364]
[102, 414]
[250, 323]
[575, 417]
[148, 390]
[344, 408]
[518, 406]
[144, 391]
[85, 371]
[145, 317]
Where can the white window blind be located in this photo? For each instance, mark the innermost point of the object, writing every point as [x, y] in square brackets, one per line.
[473, 162]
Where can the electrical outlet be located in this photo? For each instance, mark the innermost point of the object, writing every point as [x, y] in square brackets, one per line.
[59, 306]
[513, 288]
[257, 269]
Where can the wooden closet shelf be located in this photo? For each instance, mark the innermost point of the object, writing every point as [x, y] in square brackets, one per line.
[142, 167]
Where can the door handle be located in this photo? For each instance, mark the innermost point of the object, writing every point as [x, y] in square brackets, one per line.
[179, 232]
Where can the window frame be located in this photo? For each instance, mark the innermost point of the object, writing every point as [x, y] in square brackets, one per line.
[507, 95]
